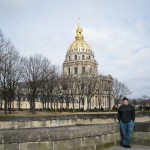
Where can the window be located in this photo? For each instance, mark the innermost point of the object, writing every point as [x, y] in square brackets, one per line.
[82, 57]
[69, 58]
[82, 102]
[75, 70]
[68, 71]
[83, 70]
[91, 70]
[89, 57]
[75, 57]
[82, 86]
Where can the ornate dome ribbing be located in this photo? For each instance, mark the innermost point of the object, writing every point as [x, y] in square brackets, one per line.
[79, 45]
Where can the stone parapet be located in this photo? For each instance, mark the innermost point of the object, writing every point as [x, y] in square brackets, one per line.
[141, 134]
[60, 138]
[18, 122]
[78, 137]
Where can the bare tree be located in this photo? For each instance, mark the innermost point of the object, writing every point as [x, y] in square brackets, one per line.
[64, 91]
[51, 84]
[101, 91]
[108, 90]
[20, 93]
[10, 75]
[3, 54]
[3, 44]
[119, 90]
[33, 77]
[91, 88]
[80, 87]
[73, 90]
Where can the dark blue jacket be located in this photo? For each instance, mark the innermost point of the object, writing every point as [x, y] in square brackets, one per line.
[126, 113]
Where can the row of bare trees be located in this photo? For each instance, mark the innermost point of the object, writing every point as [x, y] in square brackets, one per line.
[35, 76]
[141, 103]
[21, 76]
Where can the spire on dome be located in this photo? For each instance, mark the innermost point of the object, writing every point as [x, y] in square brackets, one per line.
[79, 30]
[78, 22]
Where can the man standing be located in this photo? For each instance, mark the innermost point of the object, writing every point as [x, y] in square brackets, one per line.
[126, 117]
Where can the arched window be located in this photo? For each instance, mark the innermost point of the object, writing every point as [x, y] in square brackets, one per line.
[83, 70]
[83, 57]
[75, 57]
[75, 70]
[68, 71]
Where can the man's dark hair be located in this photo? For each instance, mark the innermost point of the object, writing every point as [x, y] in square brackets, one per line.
[125, 98]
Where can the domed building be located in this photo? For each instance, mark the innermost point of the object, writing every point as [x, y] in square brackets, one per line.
[80, 58]
[89, 89]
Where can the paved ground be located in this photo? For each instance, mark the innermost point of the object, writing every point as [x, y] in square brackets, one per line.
[134, 147]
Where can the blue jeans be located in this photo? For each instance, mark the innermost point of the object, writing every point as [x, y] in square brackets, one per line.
[126, 132]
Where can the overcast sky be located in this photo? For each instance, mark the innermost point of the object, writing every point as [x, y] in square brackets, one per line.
[117, 30]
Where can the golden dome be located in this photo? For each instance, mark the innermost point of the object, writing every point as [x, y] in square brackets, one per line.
[79, 45]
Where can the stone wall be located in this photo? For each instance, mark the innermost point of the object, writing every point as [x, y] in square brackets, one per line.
[10, 122]
[142, 134]
[79, 137]
[60, 138]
